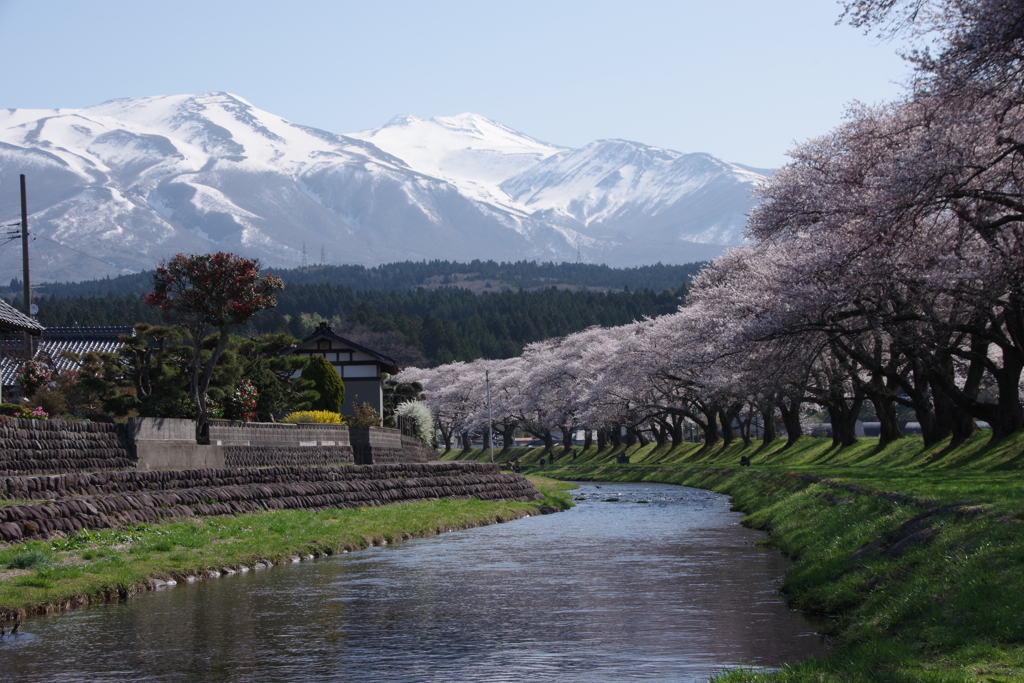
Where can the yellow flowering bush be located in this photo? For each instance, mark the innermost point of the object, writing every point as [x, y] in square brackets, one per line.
[319, 416]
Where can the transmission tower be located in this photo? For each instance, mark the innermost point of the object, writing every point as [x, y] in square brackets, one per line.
[305, 263]
[323, 256]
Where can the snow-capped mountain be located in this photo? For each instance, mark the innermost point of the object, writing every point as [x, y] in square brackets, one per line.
[119, 186]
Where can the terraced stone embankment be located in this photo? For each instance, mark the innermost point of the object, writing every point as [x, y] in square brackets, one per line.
[50, 447]
[113, 499]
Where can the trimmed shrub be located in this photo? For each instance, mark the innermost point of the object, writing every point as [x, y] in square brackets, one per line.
[316, 416]
[327, 383]
[51, 399]
[14, 410]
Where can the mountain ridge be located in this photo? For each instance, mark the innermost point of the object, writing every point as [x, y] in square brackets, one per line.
[131, 181]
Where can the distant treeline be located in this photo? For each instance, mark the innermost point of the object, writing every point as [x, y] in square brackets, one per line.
[443, 325]
[410, 274]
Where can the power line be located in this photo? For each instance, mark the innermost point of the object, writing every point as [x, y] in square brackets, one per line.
[11, 235]
[114, 265]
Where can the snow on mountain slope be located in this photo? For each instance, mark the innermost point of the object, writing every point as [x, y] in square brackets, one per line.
[610, 185]
[124, 184]
[473, 152]
[466, 146]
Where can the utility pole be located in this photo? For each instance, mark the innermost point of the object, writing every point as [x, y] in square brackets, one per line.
[24, 265]
[24, 248]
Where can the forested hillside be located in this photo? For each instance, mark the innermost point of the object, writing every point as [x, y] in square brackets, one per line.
[409, 274]
[415, 326]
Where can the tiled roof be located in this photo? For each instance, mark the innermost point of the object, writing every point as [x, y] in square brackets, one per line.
[324, 331]
[51, 350]
[12, 318]
[112, 333]
[54, 341]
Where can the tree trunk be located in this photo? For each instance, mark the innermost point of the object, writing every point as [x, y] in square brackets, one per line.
[946, 417]
[728, 434]
[843, 417]
[677, 431]
[745, 428]
[467, 443]
[566, 439]
[791, 419]
[508, 436]
[660, 433]
[769, 433]
[447, 432]
[888, 421]
[1009, 414]
[488, 438]
[588, 439]
[927, 399]
[602, 439]
[710, 428]
[201, 384]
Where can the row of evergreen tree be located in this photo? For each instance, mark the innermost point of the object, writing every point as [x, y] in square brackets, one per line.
[419, 325]
[410, 274]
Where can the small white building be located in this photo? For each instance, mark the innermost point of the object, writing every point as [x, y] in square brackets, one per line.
[359, 367]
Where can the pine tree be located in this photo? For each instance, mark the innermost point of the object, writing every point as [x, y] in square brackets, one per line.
[327, 383]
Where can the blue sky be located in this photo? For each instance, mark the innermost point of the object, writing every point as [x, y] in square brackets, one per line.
[741, 79]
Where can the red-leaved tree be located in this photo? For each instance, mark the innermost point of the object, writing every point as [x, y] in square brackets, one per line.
[204, 291]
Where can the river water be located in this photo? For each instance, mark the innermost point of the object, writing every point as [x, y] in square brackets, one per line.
[672, 589]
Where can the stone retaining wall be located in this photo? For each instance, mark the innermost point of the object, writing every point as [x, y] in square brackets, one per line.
[113, 499]
[414, 450]
[52, 446]
[29, 447]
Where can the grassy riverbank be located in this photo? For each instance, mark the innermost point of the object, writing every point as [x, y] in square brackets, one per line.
[44, 576]
[917, 555]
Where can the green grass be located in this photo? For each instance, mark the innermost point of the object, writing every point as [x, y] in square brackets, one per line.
[947, 608]
[30, 558]
[100, 564]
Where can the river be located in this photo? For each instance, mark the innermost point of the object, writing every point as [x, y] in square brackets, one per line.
[671, 589]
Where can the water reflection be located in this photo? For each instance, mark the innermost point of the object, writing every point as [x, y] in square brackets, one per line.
[669, 589]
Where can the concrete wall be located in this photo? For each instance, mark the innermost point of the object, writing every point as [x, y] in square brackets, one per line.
[160, 456]
[376, 446]
[169, 444]
[57, 447]
[231, 433]
[166, 430]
